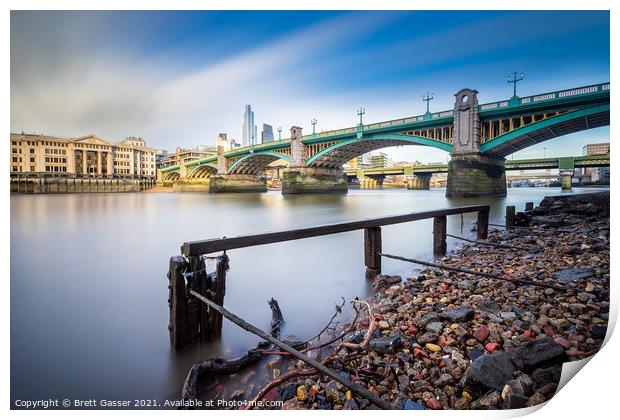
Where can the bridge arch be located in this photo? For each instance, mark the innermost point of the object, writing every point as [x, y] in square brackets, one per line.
[254, 163]
[547, 129]
[202, 171]
[170, 176]
[339, 153]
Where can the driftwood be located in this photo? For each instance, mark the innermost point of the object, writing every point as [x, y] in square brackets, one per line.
[495, 245]
[219, 366]
[319, 366]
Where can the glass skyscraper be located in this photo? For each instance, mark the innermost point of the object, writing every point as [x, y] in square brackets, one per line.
[267, 134]
[249, 128]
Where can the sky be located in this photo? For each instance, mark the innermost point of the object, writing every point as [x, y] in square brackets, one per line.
[180, 78]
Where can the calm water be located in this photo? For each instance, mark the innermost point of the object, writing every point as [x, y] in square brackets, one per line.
[89, 310]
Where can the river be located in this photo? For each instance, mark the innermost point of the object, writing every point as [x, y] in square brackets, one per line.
[89, 310]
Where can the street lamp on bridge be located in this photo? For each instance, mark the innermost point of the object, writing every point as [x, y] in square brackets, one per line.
[313, 122]
[428, 97]
[361, 112]
[279, 133]
[514, 80]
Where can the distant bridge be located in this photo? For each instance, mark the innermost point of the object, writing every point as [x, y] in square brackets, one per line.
[492, 131]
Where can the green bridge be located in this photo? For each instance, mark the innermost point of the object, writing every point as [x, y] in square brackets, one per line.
[419, 176]
[478, 138]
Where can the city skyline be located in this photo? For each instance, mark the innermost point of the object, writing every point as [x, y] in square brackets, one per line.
[311, 78]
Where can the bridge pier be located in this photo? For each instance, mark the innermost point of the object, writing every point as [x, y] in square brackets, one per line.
[476, 175]
[566, 177]
[302, 179]
[191, 185]
[237, 183]
[471, 173]
[421, 181]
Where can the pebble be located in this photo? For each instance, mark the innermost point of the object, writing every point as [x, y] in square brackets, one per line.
[433, 347]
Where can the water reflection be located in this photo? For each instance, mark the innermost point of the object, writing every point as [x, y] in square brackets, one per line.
[88, 288]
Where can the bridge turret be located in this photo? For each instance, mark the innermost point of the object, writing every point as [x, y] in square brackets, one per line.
[222, 162]
[298, 152]
[471, 173]
[466, 122]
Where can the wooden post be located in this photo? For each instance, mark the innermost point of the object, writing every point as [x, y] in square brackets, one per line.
[439, 235]
[372, 249]
[180, 335]
[529, 206]
[218, 291]
[482, 225]
[510, 217]
[197, 282]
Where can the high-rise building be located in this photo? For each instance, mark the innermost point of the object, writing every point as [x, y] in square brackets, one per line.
[266, 135]
[597, 174]
[380, 160]
[249, 128]
[363, 161]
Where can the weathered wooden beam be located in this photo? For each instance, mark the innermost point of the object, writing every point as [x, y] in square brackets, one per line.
[529, 206]
[210, 246]
[482, 224]
[510, 217]
[218, 290]
[439, 235]
[197, 313]
[179, 326]
[372, 251]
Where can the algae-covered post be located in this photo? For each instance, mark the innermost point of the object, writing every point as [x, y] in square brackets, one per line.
[372, 251]
[439, 235]
[510, 217]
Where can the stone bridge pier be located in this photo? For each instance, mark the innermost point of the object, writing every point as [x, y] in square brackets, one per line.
[471, 173]
[302, 179]
[421, 181]
[223, 182]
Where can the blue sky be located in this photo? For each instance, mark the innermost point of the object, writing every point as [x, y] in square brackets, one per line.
[179, 78]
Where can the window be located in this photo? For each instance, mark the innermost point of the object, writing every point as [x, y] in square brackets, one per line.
[14, 168]
[15, 159]
[32, 151]
[14, 150]
[32, 160]
[32, 169]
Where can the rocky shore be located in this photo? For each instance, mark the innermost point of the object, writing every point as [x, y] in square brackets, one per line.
[449, 340]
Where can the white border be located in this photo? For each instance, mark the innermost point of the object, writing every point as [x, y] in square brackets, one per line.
[591, 395]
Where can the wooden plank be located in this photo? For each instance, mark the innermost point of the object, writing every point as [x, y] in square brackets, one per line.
[439, 235]
[216, 245]
[510, 217]
[482, 225]
[372, 251]
[218, 292]
[179, 321]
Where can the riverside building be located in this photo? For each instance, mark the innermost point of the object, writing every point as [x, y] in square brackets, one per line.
[86, 156]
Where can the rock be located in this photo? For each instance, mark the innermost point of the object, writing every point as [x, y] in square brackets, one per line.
[461, 404]
[563, 342]
[535, 399]
[598, 332]
[550, 375]
[434, 327]
[507, 315]
[433, 347]
[459, 314]
[384, 325]
[570, 275]
[351, 405]
[333, 395]
[489, 306]
[488, 402]
[475, 353]
[293, 404]
[433, 404]
[412, 405]
[489, 372]
[444, 380]
[482, 334]
[430, 317]
[302, 393]
[513, 400]
[491, 347]
[420, 386]
[427, 338]
[237, 394]
[538, 353]
[386, 344]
